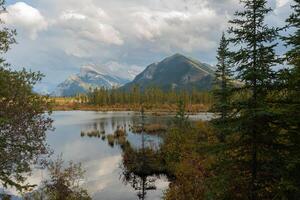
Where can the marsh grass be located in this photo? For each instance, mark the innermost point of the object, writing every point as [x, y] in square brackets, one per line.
[92, 133]
[149, 129]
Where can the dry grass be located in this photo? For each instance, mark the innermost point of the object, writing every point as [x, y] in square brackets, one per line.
[92, 133]
[150, 129]
[120, 132]
[111, 140]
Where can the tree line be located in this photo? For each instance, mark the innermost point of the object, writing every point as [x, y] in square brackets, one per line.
[148, 96]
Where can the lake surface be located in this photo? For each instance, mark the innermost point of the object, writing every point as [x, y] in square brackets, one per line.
[102, 163]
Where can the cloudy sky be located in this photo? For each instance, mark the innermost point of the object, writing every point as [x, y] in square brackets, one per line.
[57, 37]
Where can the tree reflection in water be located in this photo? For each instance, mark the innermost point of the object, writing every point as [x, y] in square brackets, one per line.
[141, 166]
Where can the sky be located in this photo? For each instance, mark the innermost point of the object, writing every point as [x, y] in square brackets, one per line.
[57, 37]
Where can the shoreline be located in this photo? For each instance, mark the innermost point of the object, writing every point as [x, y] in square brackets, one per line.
[153, 110]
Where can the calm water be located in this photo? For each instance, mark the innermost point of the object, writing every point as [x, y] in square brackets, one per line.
[103, 177]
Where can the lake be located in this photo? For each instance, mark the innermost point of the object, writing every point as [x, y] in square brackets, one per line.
[102, 162]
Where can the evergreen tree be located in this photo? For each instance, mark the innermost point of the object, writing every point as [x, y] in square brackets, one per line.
[290, 108]
[222, 88]
[253, 147]
[181, 119]
[293, 40]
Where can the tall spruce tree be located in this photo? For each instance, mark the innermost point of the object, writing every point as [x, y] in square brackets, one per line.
[253, 150]
[222, 88]
[290, 108]
[293, 40]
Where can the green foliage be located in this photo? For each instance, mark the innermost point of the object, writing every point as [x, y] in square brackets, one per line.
[181, 119]
[6, 35]
[190, 180]
[188, 165]
[287, 103]
[173, 147]
[23, 121]
[293, 40]
[258, 157]
[23, 124]
[223, 88]
[63, 184]
[253, 148]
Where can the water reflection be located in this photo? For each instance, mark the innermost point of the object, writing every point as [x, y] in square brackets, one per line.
[125, 172]
[141, 166]
[99, 147]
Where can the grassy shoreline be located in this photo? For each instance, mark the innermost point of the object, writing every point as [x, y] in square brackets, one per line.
[160, 109]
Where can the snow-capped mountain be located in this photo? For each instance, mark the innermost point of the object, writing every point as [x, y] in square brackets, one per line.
[89, 77]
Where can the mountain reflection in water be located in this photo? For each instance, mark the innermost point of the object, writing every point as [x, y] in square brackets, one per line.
[113, 172]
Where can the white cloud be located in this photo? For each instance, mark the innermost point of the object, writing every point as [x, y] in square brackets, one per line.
[281, 3]
[90, 26]
[21, 15]
[181, 30]
[115, 68]
[86, 30]
[69, 15]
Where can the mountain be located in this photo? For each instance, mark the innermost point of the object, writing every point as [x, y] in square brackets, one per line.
[88, 78]
[176, 72]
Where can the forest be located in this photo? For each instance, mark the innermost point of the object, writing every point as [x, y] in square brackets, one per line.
[149, 96]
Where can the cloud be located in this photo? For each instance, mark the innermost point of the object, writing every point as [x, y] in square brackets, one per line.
[113, 67]
[281, 3]
[131, 33]
[180, 30]
[82, 31]
[90, 27]
[23, 16]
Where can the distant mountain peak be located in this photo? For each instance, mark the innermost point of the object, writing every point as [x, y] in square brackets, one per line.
[177, 55]
[89, 77]
[176, 72]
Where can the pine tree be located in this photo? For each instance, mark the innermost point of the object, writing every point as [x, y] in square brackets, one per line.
[290, 108]
[253, 148]
[222, 88]
[181, 119]
[293, 40]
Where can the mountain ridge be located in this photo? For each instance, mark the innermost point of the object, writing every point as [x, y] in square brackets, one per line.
[88, 77]
[175, 72]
